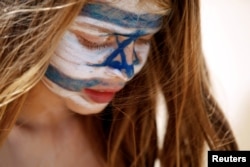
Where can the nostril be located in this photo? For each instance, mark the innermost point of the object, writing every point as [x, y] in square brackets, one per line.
[136, 60]
[116, 73]
[129, 70]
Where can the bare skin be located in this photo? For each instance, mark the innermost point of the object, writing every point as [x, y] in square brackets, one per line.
[50, 136]
[47, 132]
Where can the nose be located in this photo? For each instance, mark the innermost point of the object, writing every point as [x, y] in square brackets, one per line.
[128, 49]
[122, 58]
[124, 62]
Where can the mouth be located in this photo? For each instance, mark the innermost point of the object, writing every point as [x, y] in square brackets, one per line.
[100, 95]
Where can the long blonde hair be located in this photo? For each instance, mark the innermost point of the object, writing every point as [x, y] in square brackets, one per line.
[30, 31]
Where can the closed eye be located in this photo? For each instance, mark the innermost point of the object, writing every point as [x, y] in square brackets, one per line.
[91, 45]
[95, 44]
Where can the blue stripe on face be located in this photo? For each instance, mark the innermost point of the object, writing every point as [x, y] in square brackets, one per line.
[68, 83]
[120, 17]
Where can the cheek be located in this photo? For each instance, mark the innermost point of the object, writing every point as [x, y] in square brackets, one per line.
[74, 101]
[72, 50]
[142, 53]
[73, 59]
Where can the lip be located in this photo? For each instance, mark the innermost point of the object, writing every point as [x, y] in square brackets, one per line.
[100, 95]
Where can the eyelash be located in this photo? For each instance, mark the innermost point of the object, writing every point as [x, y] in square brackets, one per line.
[91, 45]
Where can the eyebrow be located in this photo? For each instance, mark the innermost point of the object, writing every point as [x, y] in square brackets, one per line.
[120, 17]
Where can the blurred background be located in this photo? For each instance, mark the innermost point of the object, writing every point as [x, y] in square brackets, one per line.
[226, 45]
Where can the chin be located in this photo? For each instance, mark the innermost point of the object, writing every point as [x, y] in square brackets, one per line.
[81, 106]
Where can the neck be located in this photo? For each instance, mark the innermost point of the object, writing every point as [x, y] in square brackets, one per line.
[44, 109]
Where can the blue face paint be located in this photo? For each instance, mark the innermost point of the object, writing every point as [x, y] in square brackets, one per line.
[68, 83]
[104, 12]
[125, 19]
[118, 17]
[122, 65]
[79, 67]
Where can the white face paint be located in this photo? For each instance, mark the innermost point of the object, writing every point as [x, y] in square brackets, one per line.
[103, 49]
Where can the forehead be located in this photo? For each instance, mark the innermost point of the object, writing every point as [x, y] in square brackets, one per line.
[134, 6]
[128, 19]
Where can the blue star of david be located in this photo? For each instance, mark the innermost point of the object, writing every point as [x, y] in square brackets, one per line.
[123, 64]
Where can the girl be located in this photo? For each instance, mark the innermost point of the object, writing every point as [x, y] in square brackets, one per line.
[80, 81]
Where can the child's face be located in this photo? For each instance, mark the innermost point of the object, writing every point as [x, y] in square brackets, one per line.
[103, 49]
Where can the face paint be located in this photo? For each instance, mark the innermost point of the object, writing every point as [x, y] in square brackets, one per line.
[92, 63]
[120, 17]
